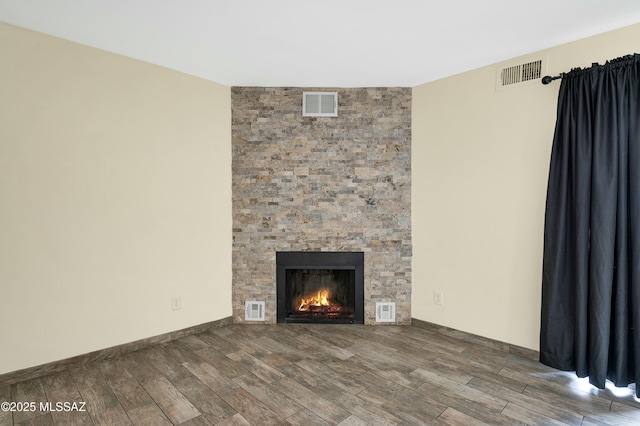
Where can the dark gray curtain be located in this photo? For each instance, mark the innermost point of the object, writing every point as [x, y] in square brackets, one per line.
[590, 319]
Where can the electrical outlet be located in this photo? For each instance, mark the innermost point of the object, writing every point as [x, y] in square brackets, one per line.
[438, 298]
[176, 303]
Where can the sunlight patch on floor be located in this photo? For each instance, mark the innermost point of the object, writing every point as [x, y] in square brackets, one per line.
[582, 384]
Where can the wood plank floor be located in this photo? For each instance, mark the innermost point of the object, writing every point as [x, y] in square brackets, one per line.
[319, 375]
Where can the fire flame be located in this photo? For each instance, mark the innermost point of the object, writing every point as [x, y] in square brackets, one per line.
[321, 298]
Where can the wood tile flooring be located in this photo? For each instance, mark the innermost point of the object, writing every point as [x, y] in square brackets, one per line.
[319, 375]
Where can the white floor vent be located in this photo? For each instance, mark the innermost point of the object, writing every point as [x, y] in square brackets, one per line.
[385, 312]
[253, 311]
[518, 73]
[319, 104]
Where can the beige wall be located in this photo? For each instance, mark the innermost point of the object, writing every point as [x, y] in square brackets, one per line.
[480, 159]
[115, 196]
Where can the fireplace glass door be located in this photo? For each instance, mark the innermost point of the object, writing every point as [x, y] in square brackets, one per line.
[321, 294]
[320, 287]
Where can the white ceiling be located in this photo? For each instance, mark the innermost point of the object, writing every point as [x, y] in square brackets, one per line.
[321, 43]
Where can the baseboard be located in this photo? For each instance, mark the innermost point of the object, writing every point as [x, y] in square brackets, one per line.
[477, 340]
[77, 361]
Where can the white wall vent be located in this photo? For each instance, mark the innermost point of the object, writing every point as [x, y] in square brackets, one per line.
[320, 104]
[253, 311]
[519, 73]
[385, 312]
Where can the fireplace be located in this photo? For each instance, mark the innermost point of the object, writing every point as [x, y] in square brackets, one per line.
[320, 287]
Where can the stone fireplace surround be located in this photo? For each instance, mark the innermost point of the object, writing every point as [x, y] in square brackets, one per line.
[322, 184]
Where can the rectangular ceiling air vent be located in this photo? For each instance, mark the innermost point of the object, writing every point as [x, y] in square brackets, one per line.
[516, 74]
[320, 104]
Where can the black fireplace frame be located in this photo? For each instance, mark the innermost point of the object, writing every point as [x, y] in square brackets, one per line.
[320, 260]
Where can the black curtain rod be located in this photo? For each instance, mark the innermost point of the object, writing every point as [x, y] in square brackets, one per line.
[548, 79]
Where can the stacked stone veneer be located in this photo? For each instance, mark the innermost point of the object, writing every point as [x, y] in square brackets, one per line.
[322, 184]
